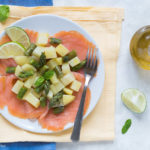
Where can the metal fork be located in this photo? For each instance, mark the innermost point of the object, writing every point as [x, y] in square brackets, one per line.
[89, 71]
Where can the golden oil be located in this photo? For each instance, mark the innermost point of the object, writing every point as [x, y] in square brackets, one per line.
[140, 47]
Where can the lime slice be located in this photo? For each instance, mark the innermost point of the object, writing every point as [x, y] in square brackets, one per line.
[17, 34]
[11, 49]
[134, 100]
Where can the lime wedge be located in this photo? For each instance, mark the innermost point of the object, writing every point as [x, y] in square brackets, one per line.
[11, 49]
[17, 34]
[134, 100]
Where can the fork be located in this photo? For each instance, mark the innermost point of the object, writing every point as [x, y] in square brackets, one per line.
[89, 71]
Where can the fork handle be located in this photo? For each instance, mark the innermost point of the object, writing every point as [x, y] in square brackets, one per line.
[78, 121]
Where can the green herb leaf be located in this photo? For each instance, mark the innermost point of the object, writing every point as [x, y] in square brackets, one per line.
[26, 74]
[4, 13]
[126, 126]
[39, 82]
[10, 69]
[48, 74]
[39, 89]
[55, 41]
[46, 87]
[43, 101]
[58, 110]
[42, 60]
[21, 93]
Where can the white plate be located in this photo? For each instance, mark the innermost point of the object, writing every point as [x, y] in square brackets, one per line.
[53, 24]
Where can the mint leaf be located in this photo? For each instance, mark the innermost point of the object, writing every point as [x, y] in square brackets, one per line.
[126, 126]
[4, 13]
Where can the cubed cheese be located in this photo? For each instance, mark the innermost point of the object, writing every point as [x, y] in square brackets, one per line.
[56, 87]
[58, 60]
[50, 52]
[54, 79]
[75, 61]
[67, 91]
[50, 94]
[30, 81]
[38, 51]
[42, 38]
[52, 64]
[28, 67]
[18, 70]
[67, 99]
[65, 68]
[30, 98]
[75, 85]
[61, 50]
[67, 79]
[21, 60]
[17, 86]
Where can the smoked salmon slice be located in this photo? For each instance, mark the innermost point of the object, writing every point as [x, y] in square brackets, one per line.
[57, 122]
[73, 40]
[16, 107]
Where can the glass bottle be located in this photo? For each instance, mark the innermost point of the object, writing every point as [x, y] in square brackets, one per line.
[140, 47]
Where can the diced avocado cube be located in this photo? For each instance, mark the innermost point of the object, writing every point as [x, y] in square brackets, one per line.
[65, 68]
[50, 52]
[18, 70]
[75, 61]
[75, 85]
[21, 60]
[56, 87]
[61, 50]
[52, 64]
[67, 91]
[30, 81]
[17, 86]
[42, 38]
[38, 51]
[30, 98]
[50, 94]
[58, 60]
[67, 99]
[67, 79]
[28, 67]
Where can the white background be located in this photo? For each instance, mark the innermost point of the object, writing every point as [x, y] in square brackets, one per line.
[137, 14]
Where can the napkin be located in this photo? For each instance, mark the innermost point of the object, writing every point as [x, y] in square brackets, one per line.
[104, 25]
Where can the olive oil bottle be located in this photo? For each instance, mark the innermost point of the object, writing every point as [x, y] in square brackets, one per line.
[140, 47]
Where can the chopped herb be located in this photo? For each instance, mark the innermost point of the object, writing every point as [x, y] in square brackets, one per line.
[44, 69]
[39, 89]
[26, 74]
[46, 87]
[56, 100]
[35, 63]
[21, 93]
[4, 13]
[55, 41]
[42, 61]
[58, 71]
[31, 48]
[126, 126]
[79, 66]
[58, 110]
[48, 74]
[69, 56]
[39, 82]
[10, 69]
[43, 101]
